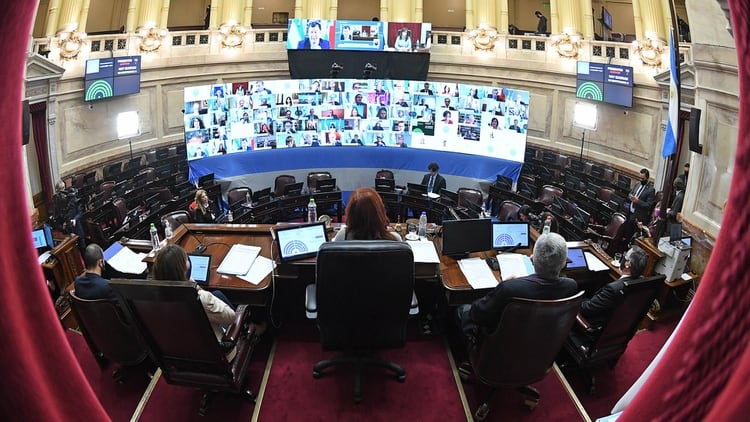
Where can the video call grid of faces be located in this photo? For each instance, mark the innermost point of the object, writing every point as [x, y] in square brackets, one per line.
[249, 116]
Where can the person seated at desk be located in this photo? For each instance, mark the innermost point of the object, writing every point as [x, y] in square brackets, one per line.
[91, 285]
[433, 180]
[549, 257]
[366, 218]
[203, 210]
[597, 309]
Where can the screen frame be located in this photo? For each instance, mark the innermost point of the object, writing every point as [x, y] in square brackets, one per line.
[281, 231]
[458, 244]
[208, 267]
[522, 245]
[585, 265]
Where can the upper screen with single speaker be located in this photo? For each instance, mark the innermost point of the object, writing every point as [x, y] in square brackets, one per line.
[321, 34]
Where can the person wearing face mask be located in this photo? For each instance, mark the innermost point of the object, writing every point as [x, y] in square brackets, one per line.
[642, 198]
[91, 285]
[598, 308]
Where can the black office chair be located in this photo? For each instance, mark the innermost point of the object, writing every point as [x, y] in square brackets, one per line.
[314, 176]
[511, 358]
[109, 332]
[280, 182]
[592, 346]
[163, 310]
[363, 295]
[384, 174]
[238, 196]
[612, 237]
[508, 211]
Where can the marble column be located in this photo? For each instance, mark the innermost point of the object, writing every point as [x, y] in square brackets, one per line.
[247, 18]
[484, 13]
[70, 13]
[149, 14]
[53, 12]
[132, 19]
[231, 12]
[649, 19]
[84, 16]
[502, 16]
[568, 17]
[469, 18]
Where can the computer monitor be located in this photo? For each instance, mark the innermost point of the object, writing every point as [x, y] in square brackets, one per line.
[576, 259]
[293, 189]
[597, 172]
[559, 206]
[572, 183]
[326, 185]
[510, 234]
[576, 165]
[526, 190]
[262, 195]
[624, 182]
[449, 195]
[504, 183]
[200, 267]
[688, 241]
[416, 189]
[675, 232]
[581, 218]
[461, 237]
[43, 238]
[206, 180]
[300, 241]
[385, 185]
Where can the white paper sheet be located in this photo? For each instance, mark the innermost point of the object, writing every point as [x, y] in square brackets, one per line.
[424, 252]
[239, 259]
[261, 267]
[594, 263]
[127, 261]
[514, 265]
[477, 273]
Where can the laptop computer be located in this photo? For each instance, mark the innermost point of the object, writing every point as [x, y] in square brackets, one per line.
[576, 259]
[200, 267]
[300, 241]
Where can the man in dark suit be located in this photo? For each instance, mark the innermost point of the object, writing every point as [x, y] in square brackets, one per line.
[549, 257]
[679, 195]
[433, 180]
[313, 40]
[91, 285]
[642, 198]
[598, 308]
[346, 33]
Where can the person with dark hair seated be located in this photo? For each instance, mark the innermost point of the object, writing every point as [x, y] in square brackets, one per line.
[598, 308]
[366, 218]
[91, 285]
[433, 180]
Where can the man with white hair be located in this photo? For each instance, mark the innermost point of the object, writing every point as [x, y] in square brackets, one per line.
[549, 257]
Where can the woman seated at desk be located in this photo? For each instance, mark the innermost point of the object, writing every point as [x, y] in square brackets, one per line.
[203, 210]
[366, 218]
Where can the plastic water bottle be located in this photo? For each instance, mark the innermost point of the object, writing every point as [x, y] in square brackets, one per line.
[422, 231]
[154, 237]
[230, 217]
[247, 197]
[312, 211]
[167, 229]
[547, 225]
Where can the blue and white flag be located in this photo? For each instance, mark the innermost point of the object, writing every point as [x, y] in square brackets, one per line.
[670, 137]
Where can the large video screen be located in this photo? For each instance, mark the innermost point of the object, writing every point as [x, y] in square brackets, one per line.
[112, 77]
[241, 117]
[312, 34]
[607, 83]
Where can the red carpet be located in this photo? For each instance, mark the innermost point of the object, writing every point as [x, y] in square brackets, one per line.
[611, 384]
[119, 400]
[292, 394]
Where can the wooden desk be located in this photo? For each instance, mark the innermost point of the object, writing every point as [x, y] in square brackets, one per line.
[218, 239]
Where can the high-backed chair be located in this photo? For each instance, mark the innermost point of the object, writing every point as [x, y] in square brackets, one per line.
[149, 174]
[280, 182]
[109, 332]
[469, 196]
[384, 174]
[238, 195]
[610, 237]
[508, 211]
[496, 361]
[162, 310]
[548, 193]
[314, 176]
[605, 194]
[120, 210]
[107, 187]
[592, 346]
[363, 296]
[176, 218]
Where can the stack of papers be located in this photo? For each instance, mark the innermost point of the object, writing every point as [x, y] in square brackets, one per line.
[239, 259]
[594, 263]
[261, 267]
[477, 273]
[514, 265]
[124, 260]
[424, 252]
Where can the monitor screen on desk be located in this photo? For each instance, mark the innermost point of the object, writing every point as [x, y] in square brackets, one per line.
[416, 189]
[200, 267]
[509, 234]
[461, 237]
[43, 238]
[385, 185]
[326, 185]
[293, 189]
[262, 195]
[576, 259]
[300, 241]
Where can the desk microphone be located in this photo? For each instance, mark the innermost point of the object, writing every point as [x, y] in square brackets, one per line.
[512, 248]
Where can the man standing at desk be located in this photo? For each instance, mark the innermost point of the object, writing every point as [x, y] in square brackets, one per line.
[433, 180]
[91, 285]
[549, 257]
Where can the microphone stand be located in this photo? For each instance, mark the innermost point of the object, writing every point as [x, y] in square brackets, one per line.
[583, 135]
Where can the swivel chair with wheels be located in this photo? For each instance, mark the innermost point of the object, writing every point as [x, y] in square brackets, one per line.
[496, 361]
[363, 294]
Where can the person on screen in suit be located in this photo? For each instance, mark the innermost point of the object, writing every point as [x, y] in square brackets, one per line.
[379, 142]
[679, 195]
[91, 285]
[515, 126]
[204, 211]
[172, 264]
[482, 316]
[426, 89]
[366, 218]
[642, 197]
[360, 106]
[541, 26]
[401, 140]
[403, 41]
[433, 180]
[313, 40]
[598, 308]
[346, 33]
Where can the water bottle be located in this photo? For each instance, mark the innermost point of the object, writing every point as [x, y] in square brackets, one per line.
[312, 211]
[547, 225]
[230, 217]
[247, 197]
[422, 231]
[167, 229]
[154, 237]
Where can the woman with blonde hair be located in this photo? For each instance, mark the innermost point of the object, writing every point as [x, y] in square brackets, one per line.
[366, 218]
[203, 211]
